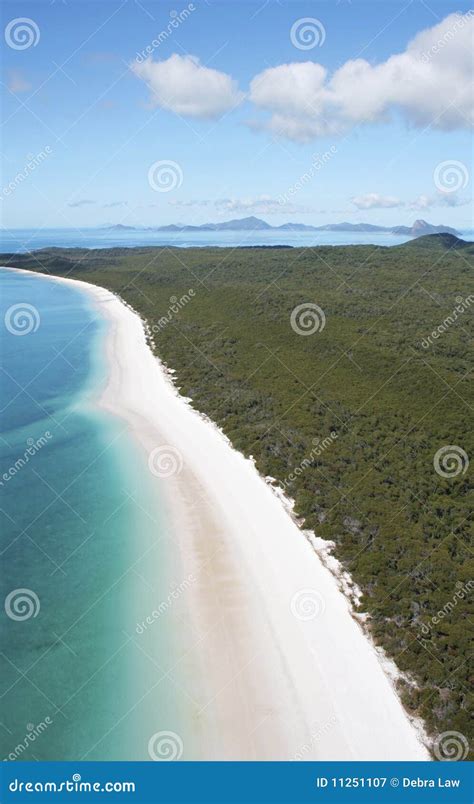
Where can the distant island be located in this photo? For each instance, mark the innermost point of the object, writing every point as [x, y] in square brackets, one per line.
[252, 224]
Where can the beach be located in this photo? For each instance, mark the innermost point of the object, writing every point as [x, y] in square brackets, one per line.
[273, 663]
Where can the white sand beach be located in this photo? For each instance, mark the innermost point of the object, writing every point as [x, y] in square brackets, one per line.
[278, 668]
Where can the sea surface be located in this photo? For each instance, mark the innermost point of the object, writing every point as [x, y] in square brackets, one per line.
[20, 240]
[84, 545]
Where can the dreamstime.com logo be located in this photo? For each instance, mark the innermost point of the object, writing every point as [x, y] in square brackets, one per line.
[22, 33]
[32, 734]
[451, 176]
[22, 319]
[175, 306]
[165, 604]
[307, 32]
[176, 19]
[32, 448]
[165, 175]
[315, 737]
[447, 37]
[451, 461]
[165, 746]
[319, 446]
[72, 785]
[462, 304]
[317, 163]
[22, 604]
[307, 318]
[34, 161]
[463, 591]
[165, 461]
[307, 604]
[451, 746]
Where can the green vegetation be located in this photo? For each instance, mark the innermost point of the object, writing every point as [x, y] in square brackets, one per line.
[375, 375]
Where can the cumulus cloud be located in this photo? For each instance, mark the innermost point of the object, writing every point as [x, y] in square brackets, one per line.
[439, 199]
[258, 205]
[376, 201]
[183, 85]
[430, 83]
[423, 201]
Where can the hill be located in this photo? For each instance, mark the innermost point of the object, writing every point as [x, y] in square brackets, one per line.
[436, 242]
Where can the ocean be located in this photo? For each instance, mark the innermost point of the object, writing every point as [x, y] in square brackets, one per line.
[20, 240]
[85, 545]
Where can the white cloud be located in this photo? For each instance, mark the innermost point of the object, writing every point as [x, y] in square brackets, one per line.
[258, 205]
[439, 199]
[376, 201]
[430, 83]
[183, 85]
[192, 202]
[423, 201]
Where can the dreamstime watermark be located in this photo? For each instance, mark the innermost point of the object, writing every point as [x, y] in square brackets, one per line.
[72, 785]
[307, 604]
[176, 19]
[451, 176]
[165, 461]
[32, 734]
[315, 737]
[318, 162]
[22, 319]
[165, 604]
[165, 746]
[451, 461]
[33, 446]
[34, 161]
[451, 746]
[22, 33]
[175, 306]
[307, 33]
[463, 590]
[319, 447]
[307, 318]
[165, 175]
[447, 37]
[22, 604]
[461, 306]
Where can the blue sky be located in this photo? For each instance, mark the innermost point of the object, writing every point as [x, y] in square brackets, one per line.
[239, 107]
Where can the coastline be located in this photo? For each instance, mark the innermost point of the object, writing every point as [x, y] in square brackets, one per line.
[291, 676]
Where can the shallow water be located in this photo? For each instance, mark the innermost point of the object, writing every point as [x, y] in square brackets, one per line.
[84, 534]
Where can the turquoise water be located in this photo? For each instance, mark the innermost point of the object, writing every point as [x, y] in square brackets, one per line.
[83, 533]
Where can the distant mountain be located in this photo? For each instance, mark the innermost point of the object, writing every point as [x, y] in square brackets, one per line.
[295, 227]
[352, 227]
[253, 224]
[421, 227]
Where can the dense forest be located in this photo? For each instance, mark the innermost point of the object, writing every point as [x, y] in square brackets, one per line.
[344, 372]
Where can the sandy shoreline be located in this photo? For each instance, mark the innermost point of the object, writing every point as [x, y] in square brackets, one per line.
[284, 670]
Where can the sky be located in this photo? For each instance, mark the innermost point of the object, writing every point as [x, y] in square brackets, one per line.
[148, 113]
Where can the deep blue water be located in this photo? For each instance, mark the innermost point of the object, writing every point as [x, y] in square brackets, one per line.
[82, 534]
[18, 240]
